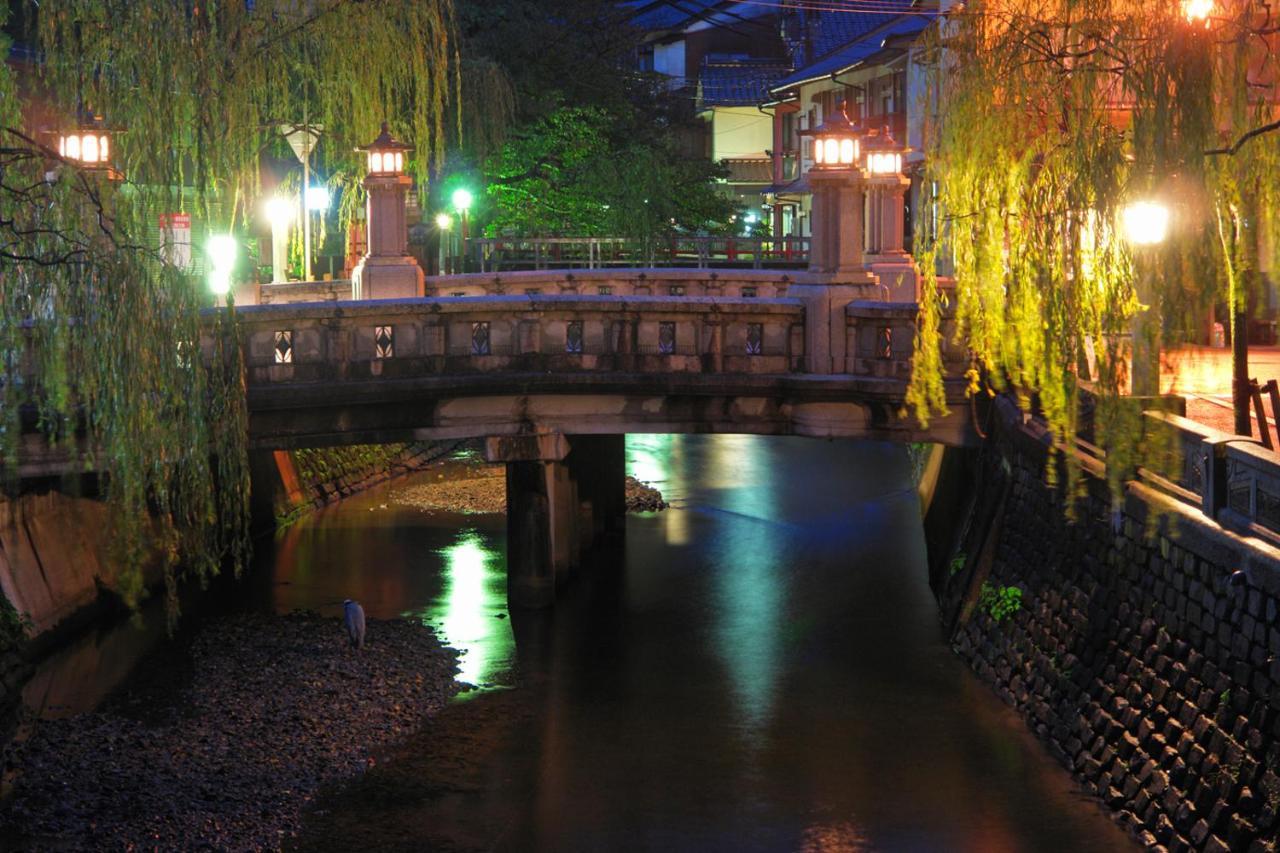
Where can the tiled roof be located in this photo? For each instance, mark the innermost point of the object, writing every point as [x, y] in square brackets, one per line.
[749, 171]
[856, 50]
[666, 14]
[726, 82]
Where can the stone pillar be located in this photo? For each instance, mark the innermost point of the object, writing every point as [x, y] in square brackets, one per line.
[836, 274]
[388, 271]
[541, 519]
[889, 261]
[598, 464]
[531, 580]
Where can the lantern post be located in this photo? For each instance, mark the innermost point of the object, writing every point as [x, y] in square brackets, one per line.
[388, 271]
[886, 190]
[836, 274]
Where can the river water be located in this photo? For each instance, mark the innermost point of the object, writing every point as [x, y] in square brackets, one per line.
[760, 667]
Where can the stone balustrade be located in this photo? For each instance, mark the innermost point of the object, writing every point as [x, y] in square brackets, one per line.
[402, 338]
[735, 284]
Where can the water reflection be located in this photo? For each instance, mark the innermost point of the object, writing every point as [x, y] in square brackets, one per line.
[472, 612]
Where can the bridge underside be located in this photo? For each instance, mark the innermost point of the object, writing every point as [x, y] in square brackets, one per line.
[295, 415]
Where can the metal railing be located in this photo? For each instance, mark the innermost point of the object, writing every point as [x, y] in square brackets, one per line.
[493, 254]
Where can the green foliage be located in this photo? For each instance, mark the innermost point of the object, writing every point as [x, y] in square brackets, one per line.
[998, 601]
[956, 566]
[13, 626]
[101, 334]
[573, 172]
[1034, 163]
[326, 464]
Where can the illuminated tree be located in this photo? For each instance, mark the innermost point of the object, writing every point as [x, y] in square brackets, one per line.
[99, 331]
[1059, 116]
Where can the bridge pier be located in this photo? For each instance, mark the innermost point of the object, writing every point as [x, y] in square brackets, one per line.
[560, 502]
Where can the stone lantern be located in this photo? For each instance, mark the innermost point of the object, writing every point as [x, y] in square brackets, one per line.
[886, 189]
[387, 271]
[88, 146]
[836, 272]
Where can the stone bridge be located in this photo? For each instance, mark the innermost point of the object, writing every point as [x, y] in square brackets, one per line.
[608, 352]
[554, 368]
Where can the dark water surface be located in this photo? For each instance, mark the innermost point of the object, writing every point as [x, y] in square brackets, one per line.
[760, 668]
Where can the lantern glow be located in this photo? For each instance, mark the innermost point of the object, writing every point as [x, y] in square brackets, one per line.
[385, 155]
[835, 143]
[1145, 223]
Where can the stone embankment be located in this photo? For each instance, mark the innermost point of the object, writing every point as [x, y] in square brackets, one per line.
[483, 489]
[274, 708]
[1132, 653]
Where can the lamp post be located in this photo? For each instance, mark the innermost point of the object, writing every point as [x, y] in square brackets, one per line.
[279, 211]
[443, 224]
[388, 271]
[462, 203]
[836, 180]
[221, 251]
[886, 190]
[836, 275]
[1145, 226]
[302, 139]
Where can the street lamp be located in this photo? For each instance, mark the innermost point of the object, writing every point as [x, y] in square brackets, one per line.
[1145, 225]
[462, 203]
[221, 251]
[279, 213]
[1197, 11]
[443, 223]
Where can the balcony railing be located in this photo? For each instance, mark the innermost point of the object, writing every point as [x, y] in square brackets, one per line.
[540, 253]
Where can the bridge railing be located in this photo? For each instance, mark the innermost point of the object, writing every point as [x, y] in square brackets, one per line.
[669, 282]
[495, 254]
[435, 336]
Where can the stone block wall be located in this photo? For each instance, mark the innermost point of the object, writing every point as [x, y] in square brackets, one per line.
[1151, 675]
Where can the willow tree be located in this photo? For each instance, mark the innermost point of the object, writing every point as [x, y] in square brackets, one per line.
[100, 332]
[1062, 118]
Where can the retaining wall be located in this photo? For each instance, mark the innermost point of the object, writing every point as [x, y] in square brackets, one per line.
[1146, 670]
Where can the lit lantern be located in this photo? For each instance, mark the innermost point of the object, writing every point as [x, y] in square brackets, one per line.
[1198, 11]
[90, 147]
[836, 143]
[883, 155]
[386, 154]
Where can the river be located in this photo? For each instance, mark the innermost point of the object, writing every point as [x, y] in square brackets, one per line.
[760, 667]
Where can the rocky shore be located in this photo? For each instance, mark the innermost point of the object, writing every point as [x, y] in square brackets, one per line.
[483, 489]
[275, 707]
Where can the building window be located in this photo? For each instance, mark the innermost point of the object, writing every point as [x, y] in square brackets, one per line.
[675, 290]
[284, 346]
[573, 337]
[384, 342]
[755, 338]
[748, 293]
[606, 290]
[480, 338]
[666, 338]
[884, 343]
[457, 293]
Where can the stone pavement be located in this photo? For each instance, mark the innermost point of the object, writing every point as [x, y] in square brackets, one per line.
[1203, 376]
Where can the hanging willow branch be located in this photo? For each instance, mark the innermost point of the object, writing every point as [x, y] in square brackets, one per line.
[1050, 116]
[100, 333]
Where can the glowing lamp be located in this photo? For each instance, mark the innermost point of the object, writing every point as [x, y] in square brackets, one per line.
[443, 221]
[317, 198]
[278, 210]
[836, 143]
[1145, 223]
[462, 199]
[90, 147]
[883, 154]
[385, 154]
[221, 251]
[1197, 11]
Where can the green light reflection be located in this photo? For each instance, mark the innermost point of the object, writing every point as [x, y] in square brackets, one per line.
[749, 626]
[475, 594]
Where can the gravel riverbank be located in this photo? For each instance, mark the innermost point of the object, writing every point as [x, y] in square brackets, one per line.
[275, 708]
[483, 489]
